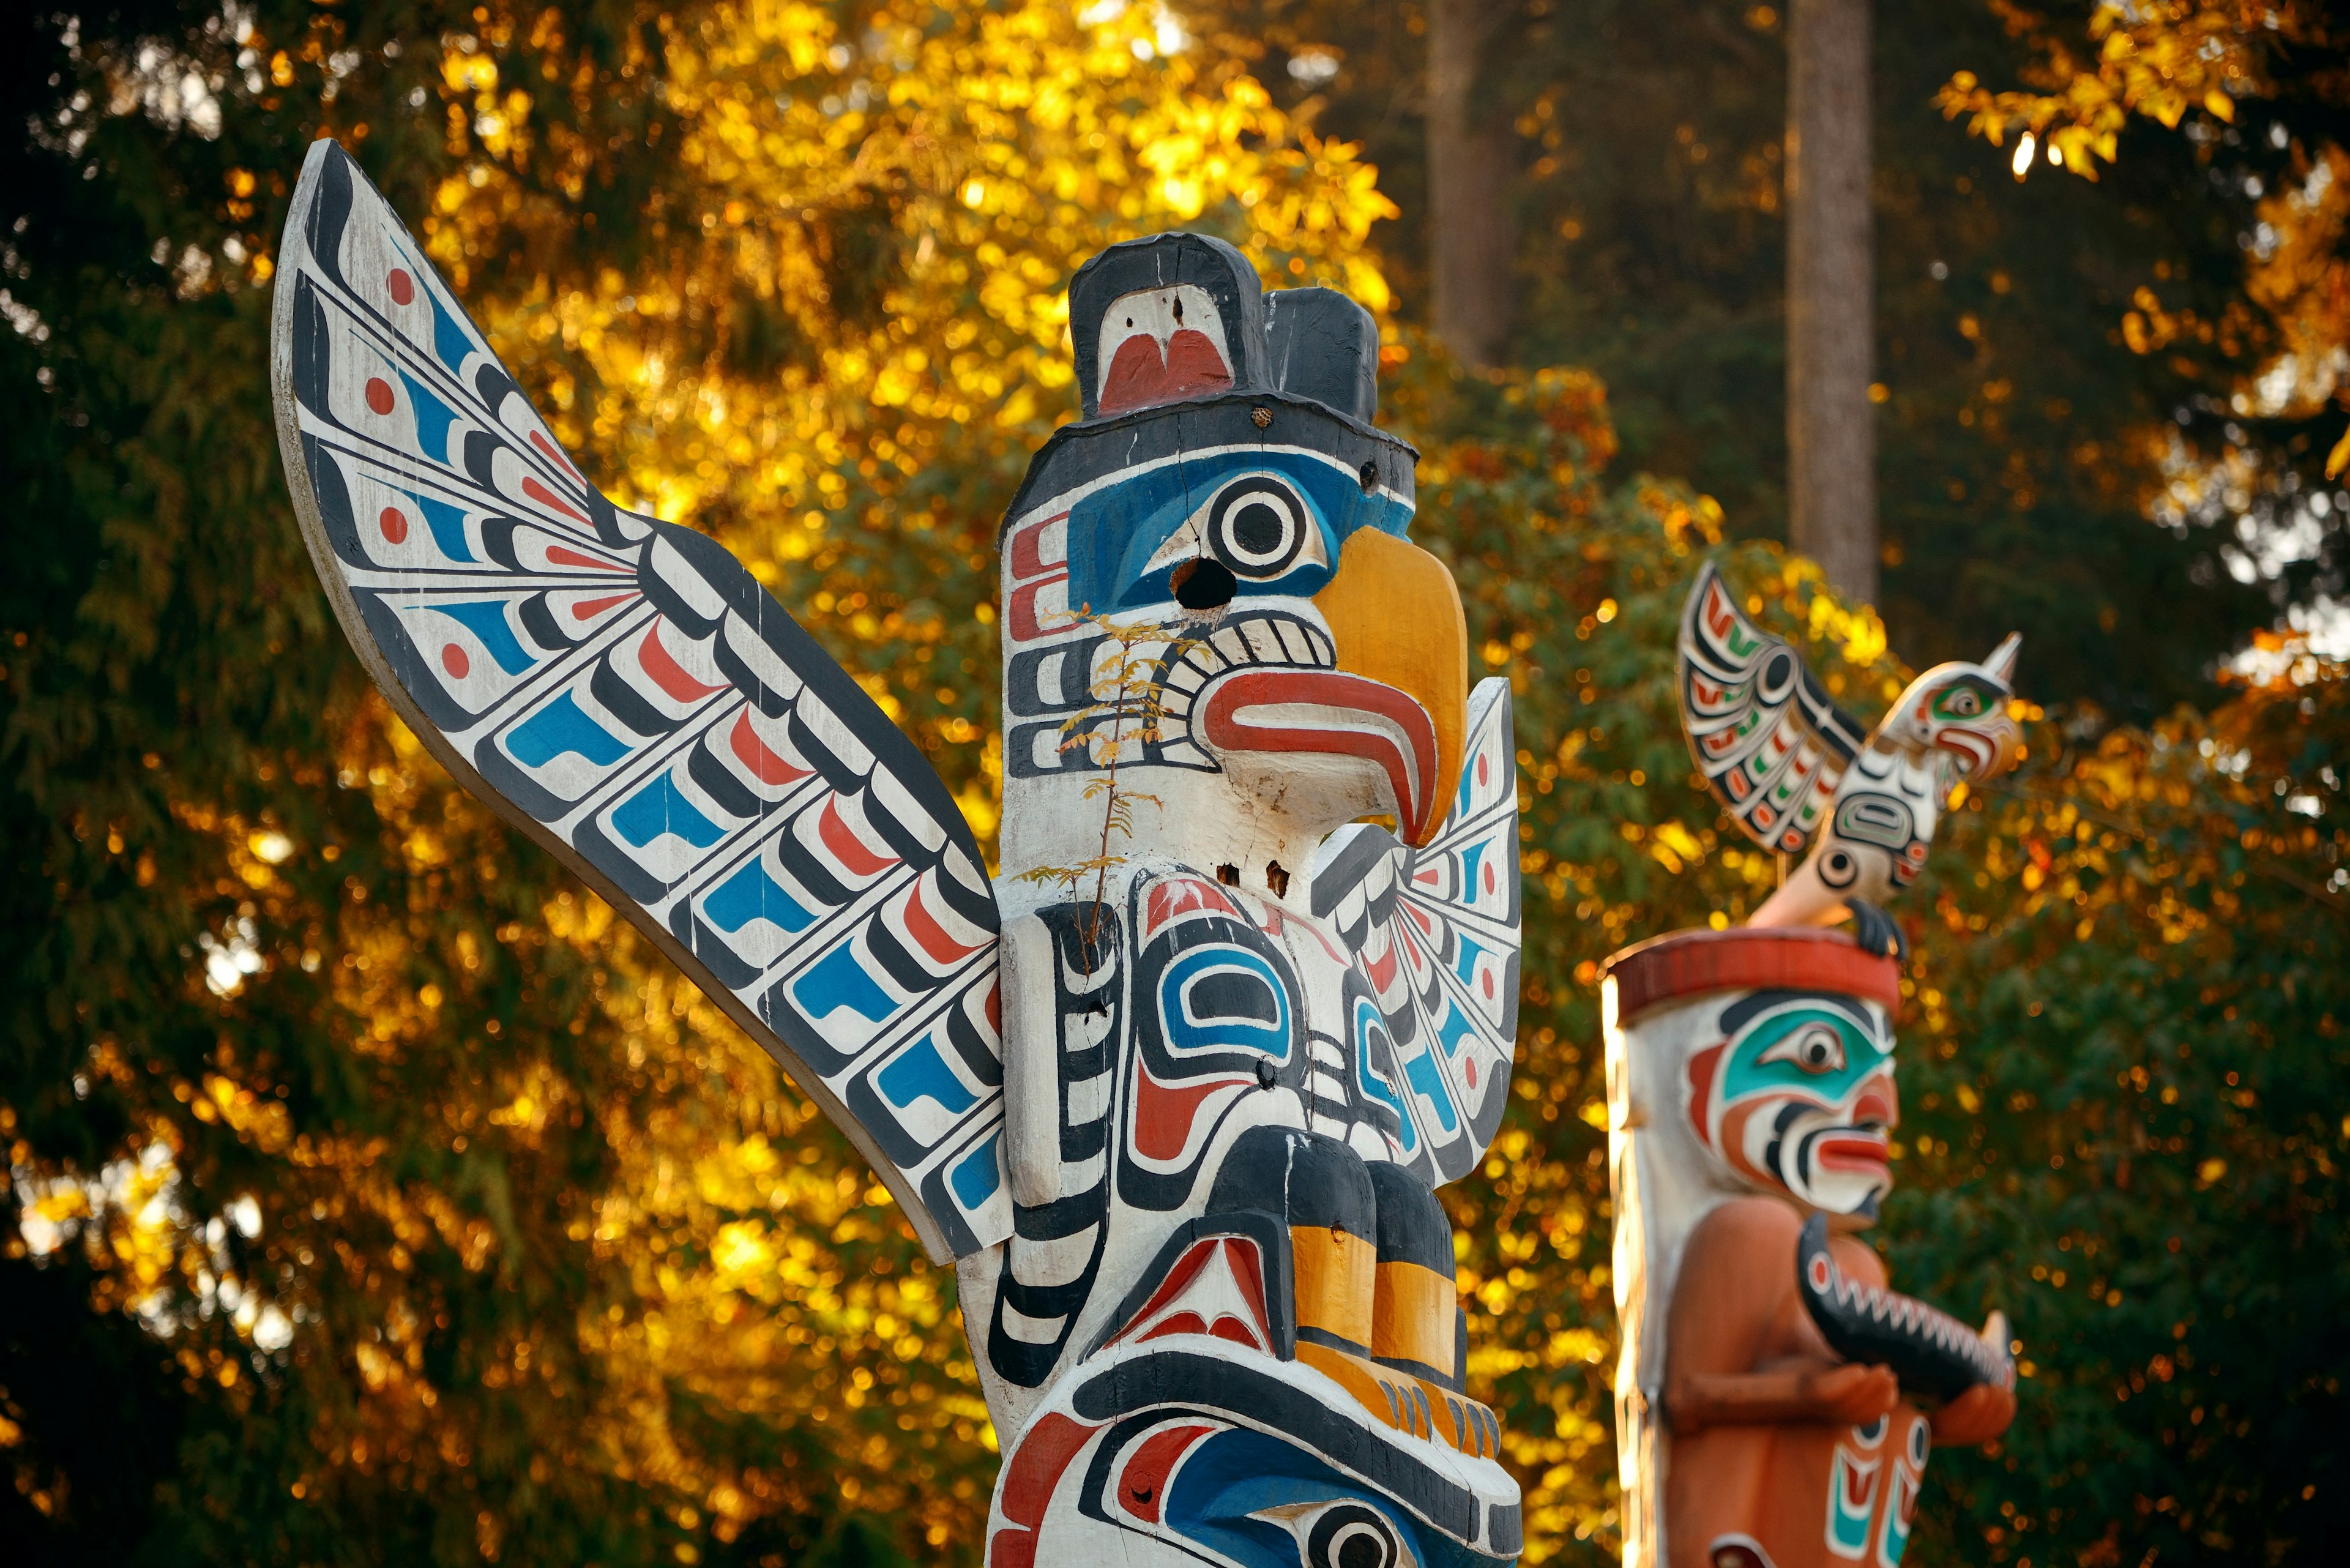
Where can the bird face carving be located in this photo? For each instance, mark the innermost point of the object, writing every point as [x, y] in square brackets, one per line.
[1961, 711]
[1310, 662]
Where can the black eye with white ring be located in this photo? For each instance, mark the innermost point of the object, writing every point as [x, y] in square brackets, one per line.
[1814, 1048]
[1260, 528]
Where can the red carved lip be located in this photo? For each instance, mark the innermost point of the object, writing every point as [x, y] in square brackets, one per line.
[1326, 712]
[1852, 1150]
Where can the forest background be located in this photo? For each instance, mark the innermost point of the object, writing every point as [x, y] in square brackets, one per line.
[372, 1195]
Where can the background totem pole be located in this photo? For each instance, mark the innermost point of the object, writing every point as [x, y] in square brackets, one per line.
[1769, 1394]
[1175, 1091]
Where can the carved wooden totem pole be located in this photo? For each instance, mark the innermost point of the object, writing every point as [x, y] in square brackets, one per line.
[1183, 1151]
[1775, 1403]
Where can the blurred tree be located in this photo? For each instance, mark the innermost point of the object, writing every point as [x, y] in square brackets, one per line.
[1472, 157]
[1831, 294]
[372, 1195]
[2028, 431]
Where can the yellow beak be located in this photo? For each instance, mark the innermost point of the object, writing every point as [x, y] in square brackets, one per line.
[1394, 613]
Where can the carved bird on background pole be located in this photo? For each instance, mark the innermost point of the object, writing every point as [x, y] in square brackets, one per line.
[1797, 772]
[1179, 1125]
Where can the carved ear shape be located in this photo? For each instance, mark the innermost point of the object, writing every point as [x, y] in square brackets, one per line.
[2001, 665]
[1319, 344]
[1163, 319]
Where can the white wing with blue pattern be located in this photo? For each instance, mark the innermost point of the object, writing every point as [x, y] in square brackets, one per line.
[1435, 933]
[628, 695]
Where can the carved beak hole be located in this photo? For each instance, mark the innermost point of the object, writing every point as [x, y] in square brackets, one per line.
[1200, 584]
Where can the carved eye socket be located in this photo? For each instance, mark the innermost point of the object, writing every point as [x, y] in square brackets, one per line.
[1260, 528]
[1816, 1048]
[1964, 704]
[1349, 1535]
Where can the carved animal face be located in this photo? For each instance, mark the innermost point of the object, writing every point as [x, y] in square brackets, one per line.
[1799, 1096]
[1228, 504]
[1962, 710]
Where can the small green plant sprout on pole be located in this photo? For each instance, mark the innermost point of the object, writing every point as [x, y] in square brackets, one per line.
[1130, 696]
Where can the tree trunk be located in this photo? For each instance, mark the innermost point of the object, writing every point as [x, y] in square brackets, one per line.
[1831, 438]
[1473, 229]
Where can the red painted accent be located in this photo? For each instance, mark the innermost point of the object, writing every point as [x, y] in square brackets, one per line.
[1140, 377]
[1484, 769]
[1468, 1067]
[1688, 963]
[765, 765]
[667, 673]
[401, 286]
[454, 661]
[1034, 1471]
[1490, 880]
[394, 524]
[1380, 971]
[996, 1007]
[1186, 1268]
[588, 609]
[545, 497]
[561, 557]
[1248, 1267]
[553, 454]
[1025, 627]
[1024, 552]
[1422, 921]
[1854, 1151]
[1181, 896]
[1239, 1332]
[932, 937]
[845, 847]
[1143, 1485]
[1181, 1323]
[1700, 1073]
[1411, 774]
[1163, 1113]
[1487, 977]
[378, 394]
[1429, 877]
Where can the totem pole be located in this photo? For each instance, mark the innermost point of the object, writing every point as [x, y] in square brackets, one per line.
[1174, 1091]
[1775, 1403]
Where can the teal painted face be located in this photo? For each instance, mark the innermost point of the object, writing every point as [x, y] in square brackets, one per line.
[1799, 1095]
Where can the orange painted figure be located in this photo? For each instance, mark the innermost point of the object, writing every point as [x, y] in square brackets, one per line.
[1776, 1403]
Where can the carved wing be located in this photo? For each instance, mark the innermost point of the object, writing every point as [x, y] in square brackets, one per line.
[1769, 741]
[625, 692]
[1434, 934]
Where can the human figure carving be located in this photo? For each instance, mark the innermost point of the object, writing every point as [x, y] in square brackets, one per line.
[1177, 1111]
[1776, 1404]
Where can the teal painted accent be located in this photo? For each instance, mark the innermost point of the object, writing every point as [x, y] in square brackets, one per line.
[1743, 1076]
[1472, 857]
[660, 807]
[921, 1073]
[838, 980]
[487, 619]
[752, 895]
[449, 340]
[433, 419]
[1455, 1028]
[1421, 1071]
[1848, 1528]
[977, 1175]
[1226, 1030]
[448, 526]
[1465, 966]
[559, 729]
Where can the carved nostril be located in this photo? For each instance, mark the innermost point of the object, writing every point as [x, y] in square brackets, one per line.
[1202, 584]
